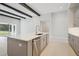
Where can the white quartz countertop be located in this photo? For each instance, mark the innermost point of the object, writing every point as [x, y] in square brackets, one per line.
[74, 31]
[27, 37]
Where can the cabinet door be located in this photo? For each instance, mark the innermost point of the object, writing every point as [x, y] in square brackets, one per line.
[47, 39]
[71, 40]
[16, 47]
[36, 46]
[41, 40]
[76, 45]
[44, 41]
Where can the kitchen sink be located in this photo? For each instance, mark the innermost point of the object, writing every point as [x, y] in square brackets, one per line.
[39, 34]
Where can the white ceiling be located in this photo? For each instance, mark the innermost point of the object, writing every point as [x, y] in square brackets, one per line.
[41, 8]
[44, 8]
[17, 6]
[21, 8]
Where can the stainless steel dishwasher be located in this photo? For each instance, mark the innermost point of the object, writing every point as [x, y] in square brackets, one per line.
[36, 46]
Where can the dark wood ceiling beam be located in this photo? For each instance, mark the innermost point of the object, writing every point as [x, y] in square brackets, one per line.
[12, 14]
[28, 7]
[9, 16]
[16, 9]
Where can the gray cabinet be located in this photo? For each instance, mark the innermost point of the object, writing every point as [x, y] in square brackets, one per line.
[43, 41]
[36, 46]
[74, 43]
[17, 47]
[71, 40]
[39, 44]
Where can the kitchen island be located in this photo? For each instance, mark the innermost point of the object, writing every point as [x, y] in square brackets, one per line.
[30, 45]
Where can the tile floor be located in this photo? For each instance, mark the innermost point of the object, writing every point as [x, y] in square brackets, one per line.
[56, 48]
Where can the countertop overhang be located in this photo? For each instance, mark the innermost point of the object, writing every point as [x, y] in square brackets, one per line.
[26, 37]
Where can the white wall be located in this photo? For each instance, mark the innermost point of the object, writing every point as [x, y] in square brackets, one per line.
[28, 26]
[47, 18]
[60, 25]
[57, 24]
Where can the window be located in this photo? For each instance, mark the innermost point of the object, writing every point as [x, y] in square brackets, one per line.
[7, 29]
